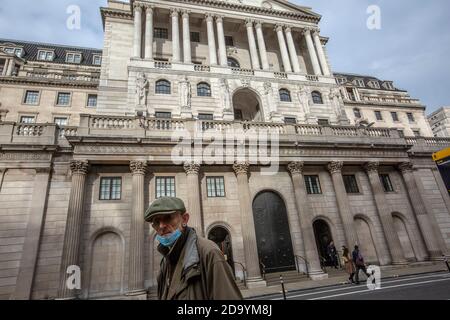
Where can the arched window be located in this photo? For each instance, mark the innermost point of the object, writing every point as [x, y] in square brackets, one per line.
[357, 113]
[203, 89]
[317, 97]
[285, 95]
[233, 63]
[162, 87]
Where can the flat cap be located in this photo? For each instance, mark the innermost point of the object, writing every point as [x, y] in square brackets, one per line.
[164, 205]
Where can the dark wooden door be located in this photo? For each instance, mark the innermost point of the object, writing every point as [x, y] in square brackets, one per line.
[272, 233]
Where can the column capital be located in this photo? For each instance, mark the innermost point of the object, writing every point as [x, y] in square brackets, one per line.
[219, 18]
[315, 31]
[371, 167]
[138, 6]
[241, 167]
[79, 167]
[288, 29]
[258, 24]
[278, 27]
[296, 167]
[174, 12]
[209, 17]
[191, 167]
[335, 166]
[406, 167]
[148, 7]
[185, 13]
[249, 22]
[138, 167]
[307, 30]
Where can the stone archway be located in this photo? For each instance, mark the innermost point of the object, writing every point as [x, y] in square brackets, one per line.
[404, 237]
[220, 236]
[366, 241]
[247, 106]
[323, 235]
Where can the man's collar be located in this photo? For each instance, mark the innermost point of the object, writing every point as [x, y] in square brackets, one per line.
[173, 252]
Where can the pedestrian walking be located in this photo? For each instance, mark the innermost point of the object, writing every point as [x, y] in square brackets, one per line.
[347, 262]
[360, 265]
[332, 254]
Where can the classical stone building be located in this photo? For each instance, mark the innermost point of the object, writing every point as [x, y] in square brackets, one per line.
[204, 69]
[440, 122]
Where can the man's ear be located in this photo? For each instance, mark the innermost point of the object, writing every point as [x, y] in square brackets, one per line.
[185, 218]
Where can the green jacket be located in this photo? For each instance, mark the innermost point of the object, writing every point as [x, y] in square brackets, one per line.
[195, 269]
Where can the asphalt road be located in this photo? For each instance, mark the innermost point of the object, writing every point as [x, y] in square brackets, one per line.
[432, 286]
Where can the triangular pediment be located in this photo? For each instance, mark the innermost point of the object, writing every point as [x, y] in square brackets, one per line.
[278, 5]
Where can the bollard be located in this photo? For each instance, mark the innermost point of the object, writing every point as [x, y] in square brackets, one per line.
[282, 287]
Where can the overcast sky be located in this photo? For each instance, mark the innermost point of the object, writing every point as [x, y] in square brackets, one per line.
[412, 48]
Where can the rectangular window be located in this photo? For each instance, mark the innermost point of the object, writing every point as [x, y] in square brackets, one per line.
[92, 100]
[323, 122]
[45, 55]
[290, 120]
[31, 97]
[350, 184]
[410, 117]
[312, 185]
[110, 188]
[165, 187]
[205, 116]
[386, 181]
[27, 119]
[73, 58]
[195, 36]
[394, 116]
[60, 121]
[161, 33]
[215, 187]
[163, 115]
[229, 41]
[63, 99]
[97, 60]
[378, 115]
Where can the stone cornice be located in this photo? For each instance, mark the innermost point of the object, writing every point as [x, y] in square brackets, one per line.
[49, 82]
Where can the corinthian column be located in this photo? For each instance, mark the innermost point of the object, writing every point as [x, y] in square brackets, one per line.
[175, 36]
[321, 53]
[192, 170]
[136, 258]
[345, 212]
[385, 214]
[72, 236]
[223, 60]
[248, 226]
[186, 38]
[252, 45]
[137, 42]
[211, 40]
[312, 52]
[292, 51]
[148, 32]
[283, 49]
[305, 216]
[262, 46]
[421, 214]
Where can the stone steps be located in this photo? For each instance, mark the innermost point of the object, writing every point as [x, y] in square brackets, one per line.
[273, 279]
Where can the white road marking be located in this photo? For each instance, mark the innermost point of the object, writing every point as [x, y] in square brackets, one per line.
[352, 287]
[382, 288]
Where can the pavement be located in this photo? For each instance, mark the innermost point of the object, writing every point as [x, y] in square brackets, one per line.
[413, 280]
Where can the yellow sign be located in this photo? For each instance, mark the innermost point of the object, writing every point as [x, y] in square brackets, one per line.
[441, 155]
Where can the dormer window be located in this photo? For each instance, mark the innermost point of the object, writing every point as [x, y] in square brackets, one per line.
[17, 51]
[46, 55]
[97, 60]
[388, 85]
[374, 84]
[341, 80]
[73, 58]
[359, 83]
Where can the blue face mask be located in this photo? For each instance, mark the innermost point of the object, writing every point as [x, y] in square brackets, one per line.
[169, 239]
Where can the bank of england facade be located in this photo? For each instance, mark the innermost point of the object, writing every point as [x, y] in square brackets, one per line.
[87, 143]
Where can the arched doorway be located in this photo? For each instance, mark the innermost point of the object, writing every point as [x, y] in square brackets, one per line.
[366, 241]
[247, 106]
[222, 238]
[323, 237]
[403, 236]
[272, 232]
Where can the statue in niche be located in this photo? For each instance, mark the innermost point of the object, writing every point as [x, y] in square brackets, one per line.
[185, 93]
[225, 95]
[335, 98]
[305, 99]
[142, 89]
[268, 91]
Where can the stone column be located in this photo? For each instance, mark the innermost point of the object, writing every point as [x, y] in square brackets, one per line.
[421, 214]
[186, 38]
[10, 69]
[175, 36]
[248, 226]
[345, 212]
[211, 40]
[148, 32]
[262, 46]
[136, 249]
[30, 250]
[385, 214]
[72, 236]
[137, 42]
[292, 51]
[305, 216]
[223, 59]
[252, 45]
[321, 53]
[312, 52]
[283, 49]
[192, 170]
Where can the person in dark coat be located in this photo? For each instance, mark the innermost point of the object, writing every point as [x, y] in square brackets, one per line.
[332, 254]
[360, 265]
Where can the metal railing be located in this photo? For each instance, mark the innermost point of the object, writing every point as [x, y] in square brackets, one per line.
[263, 269]
[244, 272]
[297, 264]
